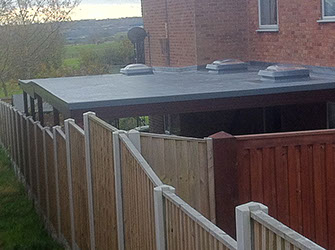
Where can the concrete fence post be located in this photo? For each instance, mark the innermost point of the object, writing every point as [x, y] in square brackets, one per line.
[225, 180]
[89, 176]
[118, 188]
[69, 173]
[37, 165]
[135, 137]
[244, 231]
[159, 206]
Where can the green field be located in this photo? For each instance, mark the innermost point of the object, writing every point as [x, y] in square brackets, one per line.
[20, 226]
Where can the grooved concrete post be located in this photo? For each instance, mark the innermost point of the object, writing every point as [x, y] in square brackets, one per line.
[89, 176]
[69, 173]
[135, 137]
[118, 188]
[160, 215]
[243, 224]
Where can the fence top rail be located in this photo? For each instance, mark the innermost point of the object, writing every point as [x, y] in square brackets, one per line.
[102, 123]
[171, 137]
[283, 231]
[31, 120]
[60, 132]
[48, 132]
[77, 127]
[141, 161]
[39, 126]
[207, 225]
[286, 135]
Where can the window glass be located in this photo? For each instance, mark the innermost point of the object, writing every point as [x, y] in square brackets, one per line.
[329, 7]
[268, 9]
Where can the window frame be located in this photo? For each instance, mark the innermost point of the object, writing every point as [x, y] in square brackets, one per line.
[324, 17]
[267, 27]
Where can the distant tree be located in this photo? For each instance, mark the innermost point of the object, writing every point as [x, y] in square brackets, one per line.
[95, 60]
[30, 37]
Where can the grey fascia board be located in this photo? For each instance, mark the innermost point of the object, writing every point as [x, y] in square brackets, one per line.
[199, 97]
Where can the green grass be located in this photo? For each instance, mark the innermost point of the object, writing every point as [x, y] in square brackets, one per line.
[73, 51]
[20, 226]
[72, 62]
[13, 88]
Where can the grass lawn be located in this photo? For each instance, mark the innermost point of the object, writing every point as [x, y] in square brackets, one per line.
[20, 226]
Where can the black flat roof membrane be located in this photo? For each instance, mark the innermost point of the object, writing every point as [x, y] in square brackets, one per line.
[89, 92]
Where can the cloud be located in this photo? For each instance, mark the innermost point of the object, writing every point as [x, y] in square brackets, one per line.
[104, 11]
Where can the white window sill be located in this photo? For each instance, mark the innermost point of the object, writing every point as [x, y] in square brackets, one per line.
[268, 30]
[326, 20]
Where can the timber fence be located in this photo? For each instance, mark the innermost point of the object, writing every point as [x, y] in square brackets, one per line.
[292, 173]
[95, 190]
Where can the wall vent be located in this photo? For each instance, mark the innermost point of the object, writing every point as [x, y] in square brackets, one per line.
[227, 66]
[284, 73]
[136, 69]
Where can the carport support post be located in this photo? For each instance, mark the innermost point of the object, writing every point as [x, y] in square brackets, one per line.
[56, 116]
[25, 103]
[226, 180]
[40, 110]
[32, 107]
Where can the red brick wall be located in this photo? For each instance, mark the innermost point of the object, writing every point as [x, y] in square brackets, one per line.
[178, 17]
[201, 31]
[300, 38]
[221, 29]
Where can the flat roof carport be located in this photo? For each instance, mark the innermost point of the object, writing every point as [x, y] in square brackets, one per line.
[116, 96]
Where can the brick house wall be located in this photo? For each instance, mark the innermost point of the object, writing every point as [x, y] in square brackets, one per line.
[200, 31]
[301, 39]
[171, 27]
[221, 30]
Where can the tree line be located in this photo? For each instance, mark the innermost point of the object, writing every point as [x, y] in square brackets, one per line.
[32, 44]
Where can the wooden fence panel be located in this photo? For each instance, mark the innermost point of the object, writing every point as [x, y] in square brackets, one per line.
[138, 183]
[32, 157]
[292, 174]
[19, 141]
[14, 137]
[269, 233]
[103, 183]
[79, 184]
[186, 229]
[51, 178]
[64, 201]
[183, 163]
[41, 169]
[25, 146]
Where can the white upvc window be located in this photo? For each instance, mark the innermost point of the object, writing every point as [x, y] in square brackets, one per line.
[268, 15]
[328, 10]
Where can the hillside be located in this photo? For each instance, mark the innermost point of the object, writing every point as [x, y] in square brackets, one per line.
[97, 31]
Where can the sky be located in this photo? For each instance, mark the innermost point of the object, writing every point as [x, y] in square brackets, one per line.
[103, 9]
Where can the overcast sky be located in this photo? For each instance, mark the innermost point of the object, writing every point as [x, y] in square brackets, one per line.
[101, 9]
